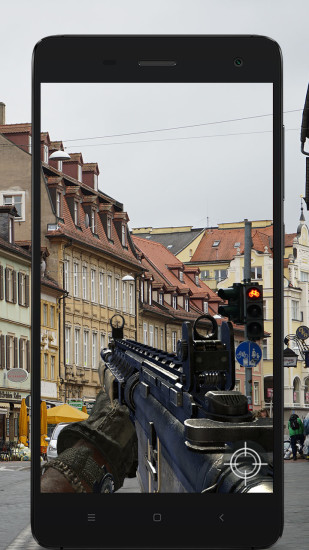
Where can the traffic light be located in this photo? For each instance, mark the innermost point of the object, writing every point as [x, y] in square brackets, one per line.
[253, 311]
[235, 308]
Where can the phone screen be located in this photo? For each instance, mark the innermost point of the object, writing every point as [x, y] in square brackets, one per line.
[157, 284]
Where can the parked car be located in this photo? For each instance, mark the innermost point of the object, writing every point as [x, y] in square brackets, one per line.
[52, 441]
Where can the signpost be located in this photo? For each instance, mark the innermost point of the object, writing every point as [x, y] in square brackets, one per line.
[77, 403]
[248, 354]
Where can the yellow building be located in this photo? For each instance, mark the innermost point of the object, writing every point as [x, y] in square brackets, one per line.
[181, 241]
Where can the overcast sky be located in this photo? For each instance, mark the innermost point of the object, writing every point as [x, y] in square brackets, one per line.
[24, 23]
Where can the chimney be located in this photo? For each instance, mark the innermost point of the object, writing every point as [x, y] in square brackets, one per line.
[2, 113]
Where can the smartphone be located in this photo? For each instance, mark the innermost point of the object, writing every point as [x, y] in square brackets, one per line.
[157, 210]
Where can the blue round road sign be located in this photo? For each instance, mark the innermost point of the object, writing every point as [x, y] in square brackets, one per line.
[302, 332]
[248, 354]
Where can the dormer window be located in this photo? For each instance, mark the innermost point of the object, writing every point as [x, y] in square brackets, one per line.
[11, 230]
[93, 224]
[142, 291]
[181, 276]
[60, 165]
[205, 307]
[109, 227]
[175, 302]
[79, 173]
[76, 212]
[58, 204]
[123, 235]
[237, 245]
[187, 304]
[14, 200]
[46, 154]
[161, 298]
[149, 295]
[215, 243]
[95, 181]
[197, 280]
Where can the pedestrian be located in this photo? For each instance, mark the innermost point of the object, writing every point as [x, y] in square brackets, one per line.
[296, 431]
[263, 413]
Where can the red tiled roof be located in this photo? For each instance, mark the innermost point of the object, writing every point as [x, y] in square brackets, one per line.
[85, 236]
[15, 248]
[289, 238]
[15, 128]
[159, 257]
[226, 249]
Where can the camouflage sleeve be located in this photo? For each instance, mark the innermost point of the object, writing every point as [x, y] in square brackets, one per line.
[110, 430]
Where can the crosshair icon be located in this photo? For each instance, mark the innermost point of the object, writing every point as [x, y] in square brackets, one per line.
[245, 463]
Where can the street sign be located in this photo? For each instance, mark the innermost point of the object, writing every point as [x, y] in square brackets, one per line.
[28, 401]
[77, 403]
[248, 354]
[302, 332]
[17, 375]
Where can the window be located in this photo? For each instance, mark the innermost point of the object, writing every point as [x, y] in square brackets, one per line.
[29, 144]
[66, 274]
[109, 227]
[149, 294]
[10, 355]
[175, 302]
[131, 301]
[109, 290]
[216, 243]
[52, 316]
[256, 393]
[304, 276]
[187, 304]
[76, 217]
[161, 339]
[142, 291]
[256, 272]
[94, 350]
[76, 345]
[101, 287]
[58, 204]
[161, 298]
[67, 345]
[10, 285]
[117, 293]
[16, 199]
[52, 367]
[23, 353]
[181, 276]
[45, 366]
[265, 349]
[86, 347]
[93, 225]
[197, 280]
[79, 173]
[296, 390]
[45, 315]
[75, 279]
[145, 331]
[84, 282]
[220, 274]
[102, 342]
[151, 335]
[265, 309]
[174, 341]
[92, 280]
[60, 165]
[22, 289]
[124, 297]
[204, 274]
[295, 310]
[156, 337]
[237, 385]
[306, 392]
[46, 153]
[123, 235]
[237, 245]
[205, 307]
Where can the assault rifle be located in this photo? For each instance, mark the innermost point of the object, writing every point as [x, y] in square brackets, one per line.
[195, 433]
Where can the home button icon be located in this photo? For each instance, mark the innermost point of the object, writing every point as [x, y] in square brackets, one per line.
[157, 517]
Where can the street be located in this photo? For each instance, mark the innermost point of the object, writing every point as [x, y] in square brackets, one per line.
[15, 532]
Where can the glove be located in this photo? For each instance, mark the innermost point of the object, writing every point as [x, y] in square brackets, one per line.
[111, 431]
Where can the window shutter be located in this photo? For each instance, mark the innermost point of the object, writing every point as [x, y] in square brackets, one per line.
[19, 288]
[15, 352]
[8, 359]
[2, 351]
[1, 282]
[6, 284]
[21, 362]
[14, 287]
[27, 291]
[28, 355]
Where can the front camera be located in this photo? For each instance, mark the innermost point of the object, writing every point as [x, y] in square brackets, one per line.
[238, 62]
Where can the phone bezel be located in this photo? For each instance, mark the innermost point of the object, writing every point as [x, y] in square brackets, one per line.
[199, 59]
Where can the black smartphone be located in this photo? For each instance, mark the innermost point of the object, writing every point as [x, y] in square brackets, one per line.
[157, 211]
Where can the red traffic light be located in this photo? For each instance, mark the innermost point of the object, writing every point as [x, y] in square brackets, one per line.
[254, 293]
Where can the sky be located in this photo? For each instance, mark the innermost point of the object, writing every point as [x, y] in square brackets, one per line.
[25, 23]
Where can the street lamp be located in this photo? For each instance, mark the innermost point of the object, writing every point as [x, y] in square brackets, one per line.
[59, 155]
[289, 358]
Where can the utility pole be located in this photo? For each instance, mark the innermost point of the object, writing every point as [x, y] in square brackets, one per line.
[247, 279]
